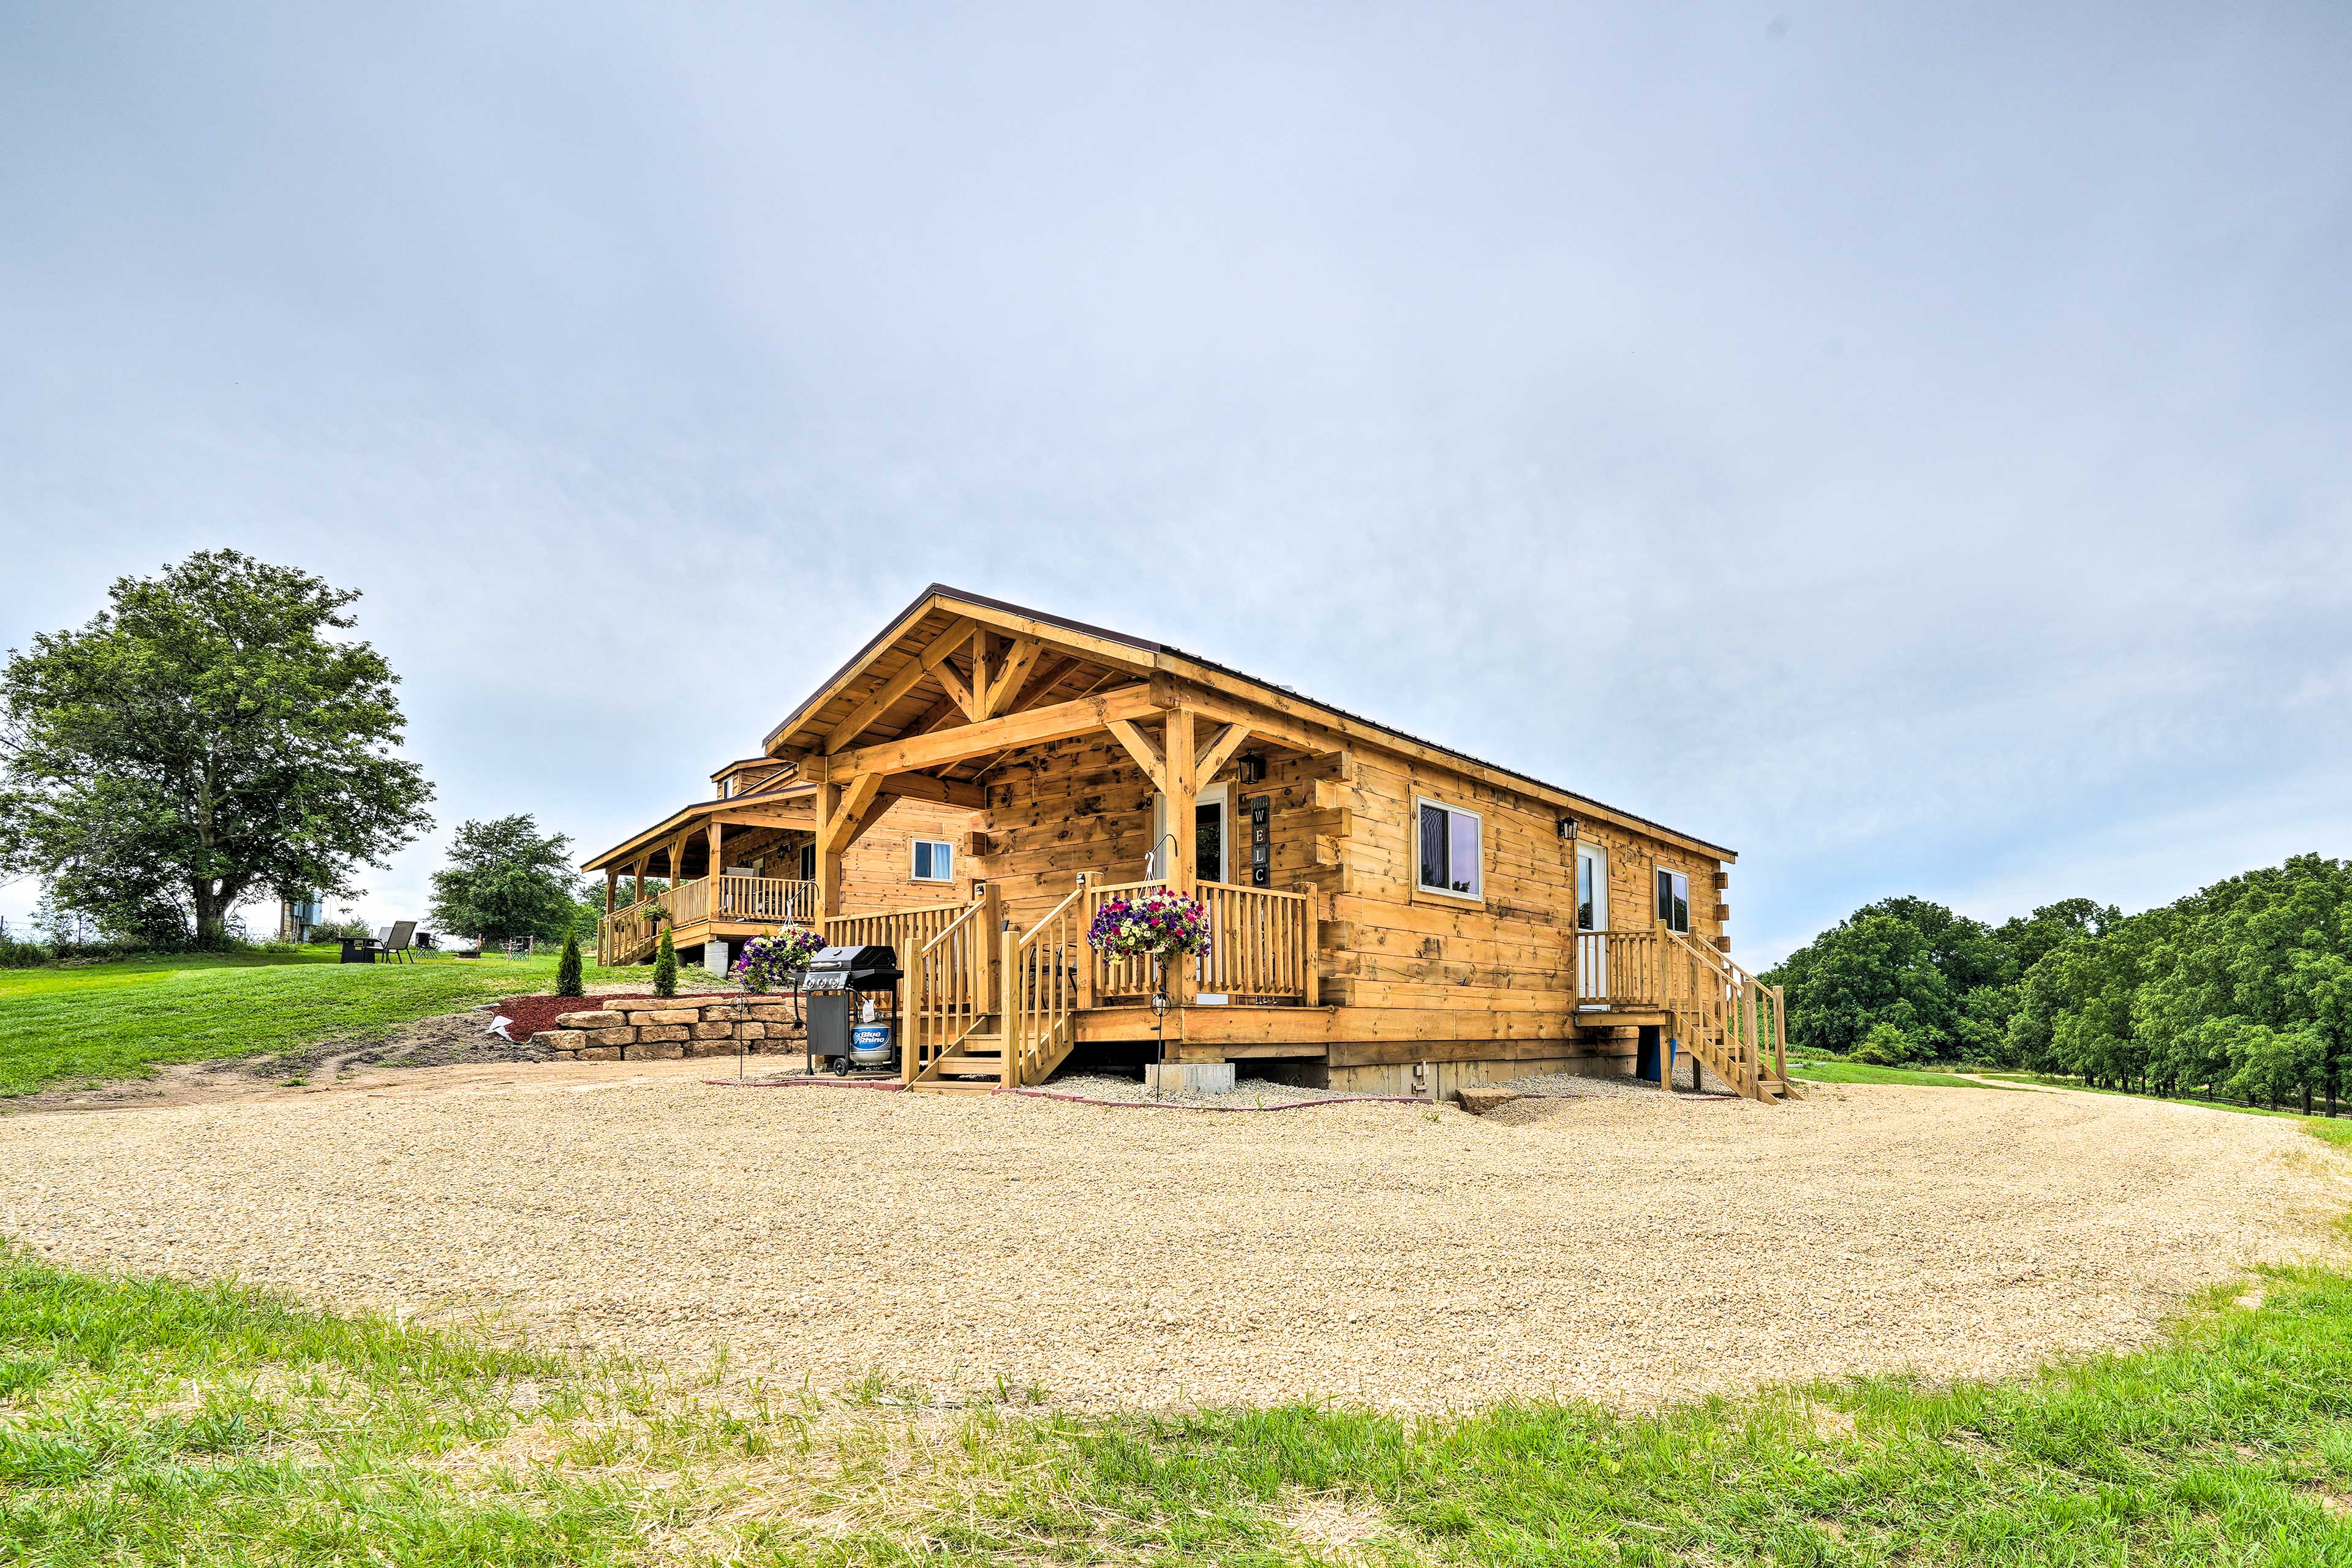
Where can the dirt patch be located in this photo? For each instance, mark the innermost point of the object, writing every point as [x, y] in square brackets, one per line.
[445, 1039]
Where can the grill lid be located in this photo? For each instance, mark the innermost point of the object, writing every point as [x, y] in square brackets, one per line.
[856, 966]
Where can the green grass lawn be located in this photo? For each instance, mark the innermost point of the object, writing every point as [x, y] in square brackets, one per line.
[106, 1021]
[156, 1421]
[1858, 1072]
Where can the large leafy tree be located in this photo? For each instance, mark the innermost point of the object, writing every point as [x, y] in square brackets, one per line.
[2251, 985]
[206, 737]
[505, 880]
[1936, 977]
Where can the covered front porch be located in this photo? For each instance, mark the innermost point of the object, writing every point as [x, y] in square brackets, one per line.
[708, 872]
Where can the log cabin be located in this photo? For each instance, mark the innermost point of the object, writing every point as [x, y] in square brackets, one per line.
[1387, 914]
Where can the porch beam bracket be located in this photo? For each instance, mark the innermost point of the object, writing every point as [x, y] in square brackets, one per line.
[857, 798]
[1218, 750]
[952, 678]
[1144, 750]
[1012, 669]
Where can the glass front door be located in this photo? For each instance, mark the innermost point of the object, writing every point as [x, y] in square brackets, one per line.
[1208, 839]
[1591, 918]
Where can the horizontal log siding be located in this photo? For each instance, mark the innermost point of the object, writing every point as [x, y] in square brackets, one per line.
[877, 874]
[1341, 824]
[1385, 946]
[1082, 804]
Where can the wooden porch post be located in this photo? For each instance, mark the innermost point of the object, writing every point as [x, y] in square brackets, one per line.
[1183, 860]
[717, 865]
[828, 867]
[992, 919]
[612, 877]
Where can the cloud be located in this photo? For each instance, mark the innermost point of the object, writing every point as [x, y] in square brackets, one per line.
[1900, 446]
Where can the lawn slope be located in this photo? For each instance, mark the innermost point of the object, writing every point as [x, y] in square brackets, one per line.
[106, 1021]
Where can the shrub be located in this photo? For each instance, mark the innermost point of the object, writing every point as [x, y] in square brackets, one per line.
[1885, 1046]
[567, 968]
[666, 966]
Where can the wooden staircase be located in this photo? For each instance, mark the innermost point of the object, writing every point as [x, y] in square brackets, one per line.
[974, 1063]
[630, 935]
[993, 1008]
[1735, 1025]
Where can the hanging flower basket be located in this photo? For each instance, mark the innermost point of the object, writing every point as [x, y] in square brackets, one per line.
[1157, 925]
[777, 963]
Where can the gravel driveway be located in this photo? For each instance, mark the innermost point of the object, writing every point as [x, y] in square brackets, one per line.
[1627, 1249]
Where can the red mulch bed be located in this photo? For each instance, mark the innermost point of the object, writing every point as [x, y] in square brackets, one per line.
[533, 1013]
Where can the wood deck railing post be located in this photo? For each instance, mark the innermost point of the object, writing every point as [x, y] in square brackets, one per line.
[1183, 850]
[1008, 947]
[1311, 945]
[913, 1004]
[993, 998]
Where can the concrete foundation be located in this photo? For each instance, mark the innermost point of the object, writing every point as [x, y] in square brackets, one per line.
[1189, 1077]
[714, 957]
[1439, 1081]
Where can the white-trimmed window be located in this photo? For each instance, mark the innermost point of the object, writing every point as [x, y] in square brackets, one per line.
[1450, 843]
[934, 861]
[1674, 900]
[808, 862]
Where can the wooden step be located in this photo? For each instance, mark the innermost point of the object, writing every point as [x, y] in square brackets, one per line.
[954, 1085]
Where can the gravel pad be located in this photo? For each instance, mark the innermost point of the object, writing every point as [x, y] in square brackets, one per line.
[1629, 1249]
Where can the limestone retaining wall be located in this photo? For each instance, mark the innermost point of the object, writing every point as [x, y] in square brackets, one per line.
[649, 1029]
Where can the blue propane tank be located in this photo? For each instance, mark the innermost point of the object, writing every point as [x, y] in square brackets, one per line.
[870, 1047]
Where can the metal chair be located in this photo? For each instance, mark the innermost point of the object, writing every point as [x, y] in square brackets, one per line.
[395, 939]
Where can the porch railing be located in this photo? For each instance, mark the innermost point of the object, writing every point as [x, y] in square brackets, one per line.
[1107, 976]
[893, 928]
[1262, 942]
[1618, 969]
[777, 898]
[625, 935]
[1261, 945]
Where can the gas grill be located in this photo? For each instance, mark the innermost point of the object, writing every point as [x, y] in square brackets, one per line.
[839, 981]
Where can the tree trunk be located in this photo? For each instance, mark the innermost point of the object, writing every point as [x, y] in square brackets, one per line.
[211, 921]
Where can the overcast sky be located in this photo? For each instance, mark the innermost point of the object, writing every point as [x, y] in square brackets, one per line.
[1908, 444]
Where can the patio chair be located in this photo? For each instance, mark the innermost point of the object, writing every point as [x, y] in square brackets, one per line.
[396, 940]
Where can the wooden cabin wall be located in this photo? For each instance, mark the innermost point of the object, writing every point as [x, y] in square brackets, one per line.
[1083, 804]
[877, 871]
[1389, 944]
[1055, 810]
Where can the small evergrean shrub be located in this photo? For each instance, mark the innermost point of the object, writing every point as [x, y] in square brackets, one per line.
[666, 966]
[567, 968]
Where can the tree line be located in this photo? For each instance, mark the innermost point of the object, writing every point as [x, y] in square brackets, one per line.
[2242, 989]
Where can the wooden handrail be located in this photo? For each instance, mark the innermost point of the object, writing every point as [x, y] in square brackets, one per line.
[891, 928]
[947, 990]
[1041, 989]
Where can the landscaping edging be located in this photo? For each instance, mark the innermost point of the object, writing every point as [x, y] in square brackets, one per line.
[664, 1028]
